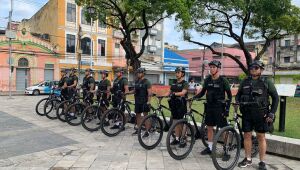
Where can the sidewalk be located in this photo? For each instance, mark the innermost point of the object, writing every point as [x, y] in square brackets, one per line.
[66, 147]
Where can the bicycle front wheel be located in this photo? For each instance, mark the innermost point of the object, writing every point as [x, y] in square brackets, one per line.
[74, 114]
[50, 108]
[39, 108]
[112, 122]
[150, 132]
[61, 110]
[181, 147]
[226, 148]
[90, 118]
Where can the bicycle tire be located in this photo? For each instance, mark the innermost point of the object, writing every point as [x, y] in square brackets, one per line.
[112, 116]
[76, 119]
[154, 119]
[61, 115]
[203, 131]
[53, 103]
[86, 117]
[233, 136]
[191, 135]
[41, 113]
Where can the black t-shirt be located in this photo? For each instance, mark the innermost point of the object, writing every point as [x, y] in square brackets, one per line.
[72, 79]
[87, 83]
[62, 81]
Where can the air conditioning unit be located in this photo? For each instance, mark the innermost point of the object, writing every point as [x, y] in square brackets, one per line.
[152, 48]
[153, 31]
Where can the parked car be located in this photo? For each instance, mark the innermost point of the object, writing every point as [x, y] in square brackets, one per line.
[43, 87]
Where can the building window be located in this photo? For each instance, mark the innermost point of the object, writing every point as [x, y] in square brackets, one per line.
[117, 49]
[217, 57]
[86, 45]
[158, 43]
[287, 43]
[102, 17]
[83, 17]
[71, 12]
[101, 47]
[287, 59]
[196, 58]
[70, 43]
[23, 62]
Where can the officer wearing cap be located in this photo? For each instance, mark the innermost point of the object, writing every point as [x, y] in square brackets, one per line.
[177, 101]
[142, 96]
[88, 84]
[259, 116]
[216, 111]
[63, 84]
[105, 85]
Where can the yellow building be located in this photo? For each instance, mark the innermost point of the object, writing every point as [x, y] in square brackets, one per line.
[60, 20]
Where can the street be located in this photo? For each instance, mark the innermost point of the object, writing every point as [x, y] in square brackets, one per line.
[29, 141]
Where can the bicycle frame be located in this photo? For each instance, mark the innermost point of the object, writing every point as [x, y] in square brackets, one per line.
[159, 110]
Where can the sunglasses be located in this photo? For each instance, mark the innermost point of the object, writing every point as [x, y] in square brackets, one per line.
[254, 68]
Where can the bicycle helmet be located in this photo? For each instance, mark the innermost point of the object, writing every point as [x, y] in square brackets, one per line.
[215, 63]
[180, 69]
[104, 72]
[119, 70]
[257, 63]
[141, 70]
[89, 70]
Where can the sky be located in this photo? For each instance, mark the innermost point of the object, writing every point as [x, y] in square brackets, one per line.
[26, 8]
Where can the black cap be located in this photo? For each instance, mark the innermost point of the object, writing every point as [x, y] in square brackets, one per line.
[119, 70]
[89, 70]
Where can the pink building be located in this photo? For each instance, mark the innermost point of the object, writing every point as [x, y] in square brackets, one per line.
[196, 57]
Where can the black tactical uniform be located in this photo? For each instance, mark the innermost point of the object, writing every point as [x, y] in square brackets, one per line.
[117, 90]
[86, 86]
[141, 95]
[177, 104]
[102, 86]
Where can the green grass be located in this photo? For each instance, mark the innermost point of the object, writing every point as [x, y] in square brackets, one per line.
[292, 122]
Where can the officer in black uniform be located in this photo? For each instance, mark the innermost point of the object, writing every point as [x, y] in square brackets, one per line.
[142, 97]
[177, 101]
[258, 116]
[120, 86]
[216, 110]
[63, 84]
[104, 85]
[88, 84]
[72, 82]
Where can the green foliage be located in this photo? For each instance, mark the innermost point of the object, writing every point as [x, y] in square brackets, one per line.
[242, 76]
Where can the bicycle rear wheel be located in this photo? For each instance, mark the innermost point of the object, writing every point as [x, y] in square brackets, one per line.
[150, 132]
[39, 108]
[226, 148]
[182, 149]
[61, 110]
[50, 108]
[112, 122]
[74, 113]
[90, 119]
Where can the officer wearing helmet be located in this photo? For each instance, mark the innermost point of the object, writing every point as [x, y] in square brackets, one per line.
[88, 84]
[63, 83]
[215, 87]
[142, 97]
[177, 102]
[259, 116]
[105, 85]
[72, 81]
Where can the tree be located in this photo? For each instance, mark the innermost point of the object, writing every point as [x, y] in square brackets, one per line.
[239, 19]
[131, 16]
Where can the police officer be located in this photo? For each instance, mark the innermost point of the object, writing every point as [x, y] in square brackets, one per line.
[258, 116]
[72, 82]
[88, 84]
[177, 101]
[142, 96]
[216, 110]
[63, 84]
[104, 85]
[120, 85]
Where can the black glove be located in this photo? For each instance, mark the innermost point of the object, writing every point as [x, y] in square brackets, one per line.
[270, 117]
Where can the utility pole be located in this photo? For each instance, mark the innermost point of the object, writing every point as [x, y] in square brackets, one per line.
[274, 62]
[222, 71]
[91, 56]
[78, 49]
[203, 67]
[10, 48]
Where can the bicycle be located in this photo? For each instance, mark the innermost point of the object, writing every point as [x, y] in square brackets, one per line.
[152, 126]
[77, 110]
[91, 117]
[229, 140]
[55, 93]
[188, 136]
[114, 119]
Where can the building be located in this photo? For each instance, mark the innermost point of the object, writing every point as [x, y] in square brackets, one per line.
[171, 47]
[199, 58]
[33, 60]
[60, 21]
[171, 61]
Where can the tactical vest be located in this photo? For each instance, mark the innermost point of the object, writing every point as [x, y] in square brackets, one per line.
[215, 90]
[86, 83]
[71, 80]
[62, 81]
[255, 93]
[118, 85]
[178, 87]
[141, 91]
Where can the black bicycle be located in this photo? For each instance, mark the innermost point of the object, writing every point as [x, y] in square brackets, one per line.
[62, 107]
[114, 119]
[187, 135]
[229, 140]
[55, 93]
[92, 115]
[74, 111]
[152, 126]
